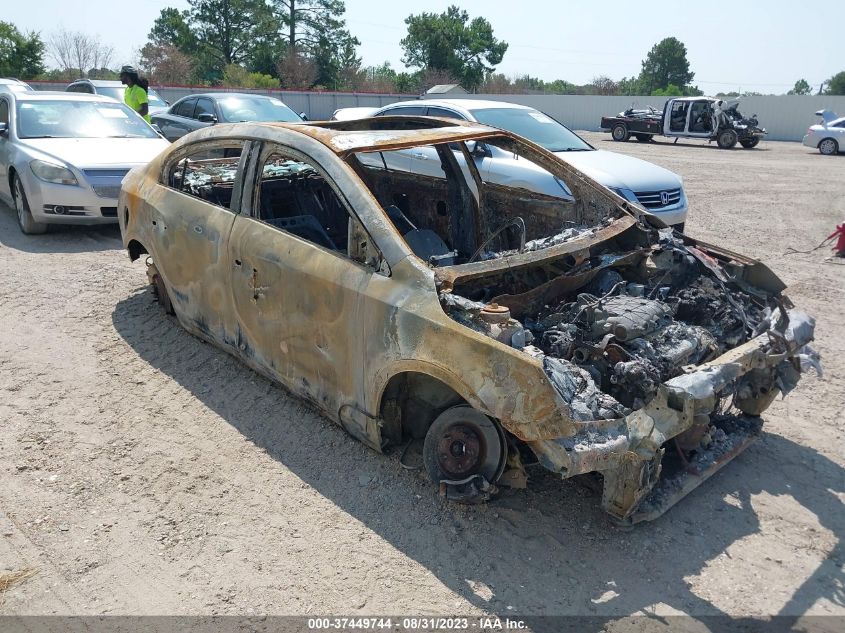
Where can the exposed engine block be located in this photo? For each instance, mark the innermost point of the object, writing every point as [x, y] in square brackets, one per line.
[629, 344]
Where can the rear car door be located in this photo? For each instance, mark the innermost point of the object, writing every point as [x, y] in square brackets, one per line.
[192, 213]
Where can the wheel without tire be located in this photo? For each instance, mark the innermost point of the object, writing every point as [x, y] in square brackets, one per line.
[25, 220]
[828, 146]
[643, 138]
[620, 132]
[462, 442]
[726, 139]
[160, 289]
[748, 143]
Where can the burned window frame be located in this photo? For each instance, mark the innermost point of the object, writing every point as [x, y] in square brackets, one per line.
[592, 203]
[173, 163]
[459, 188]
[369, 255]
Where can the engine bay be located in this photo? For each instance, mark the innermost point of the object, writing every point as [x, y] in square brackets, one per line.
[615, 325]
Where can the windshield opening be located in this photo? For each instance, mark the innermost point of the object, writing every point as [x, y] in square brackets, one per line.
[79, 119]
[533, 125]
[268, 109]
[449, 212]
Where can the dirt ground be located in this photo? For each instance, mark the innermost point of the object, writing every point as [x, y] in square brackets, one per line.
[145, 472]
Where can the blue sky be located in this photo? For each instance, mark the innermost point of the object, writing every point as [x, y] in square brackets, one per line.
[745, 45]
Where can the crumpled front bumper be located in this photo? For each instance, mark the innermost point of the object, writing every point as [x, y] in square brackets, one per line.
[628, 451]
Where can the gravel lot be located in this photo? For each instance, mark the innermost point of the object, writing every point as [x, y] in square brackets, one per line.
[145, 472]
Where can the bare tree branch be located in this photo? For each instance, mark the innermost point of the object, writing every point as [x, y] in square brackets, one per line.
[77, 51]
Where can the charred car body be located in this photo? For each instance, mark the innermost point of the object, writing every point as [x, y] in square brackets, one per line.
[500, 326]
[688, 117]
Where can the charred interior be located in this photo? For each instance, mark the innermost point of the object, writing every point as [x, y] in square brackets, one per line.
[449, 211]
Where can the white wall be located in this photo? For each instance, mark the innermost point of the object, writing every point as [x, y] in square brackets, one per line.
[786, 117]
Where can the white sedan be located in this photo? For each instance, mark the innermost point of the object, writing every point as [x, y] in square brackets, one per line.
[64, 155]
[828, 136]
[658, 190]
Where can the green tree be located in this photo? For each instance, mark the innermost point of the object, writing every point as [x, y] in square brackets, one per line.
[316, 29]
[630, 86]
[235, 76]
[560, 87]
[172, 28]
[225, 30]
[666, 63]
[836, 84]
[337, 63]
[669, 91]
[801, 88]
[375, 79]
[21, 54]
[406, 83]
[450, 42]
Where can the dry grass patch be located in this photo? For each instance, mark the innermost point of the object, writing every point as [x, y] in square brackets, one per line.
[10, 579]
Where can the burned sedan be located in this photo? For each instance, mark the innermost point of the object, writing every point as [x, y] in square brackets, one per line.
[498, 326]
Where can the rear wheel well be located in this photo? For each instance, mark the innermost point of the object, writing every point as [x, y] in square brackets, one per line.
[136, 249]
[12, 172]
[410, 403]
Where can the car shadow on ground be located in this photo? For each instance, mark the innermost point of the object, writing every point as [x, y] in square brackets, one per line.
[548, 550]
[59, 238]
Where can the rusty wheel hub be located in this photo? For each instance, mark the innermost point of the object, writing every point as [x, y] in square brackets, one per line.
[460, 450]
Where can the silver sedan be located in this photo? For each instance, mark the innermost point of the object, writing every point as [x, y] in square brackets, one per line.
[63, 156]
[828, 136]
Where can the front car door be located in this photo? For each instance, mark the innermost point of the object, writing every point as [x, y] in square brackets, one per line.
[192, 212]
[177, 121]
[205, 106]
[700, 119]
[675, 120]
[298, 280]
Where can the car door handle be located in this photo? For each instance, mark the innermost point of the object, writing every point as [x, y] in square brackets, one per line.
[257, 289]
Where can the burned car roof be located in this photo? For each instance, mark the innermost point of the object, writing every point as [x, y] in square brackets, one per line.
[389, 133]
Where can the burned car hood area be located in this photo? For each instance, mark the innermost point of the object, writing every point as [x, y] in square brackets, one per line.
[663, 352]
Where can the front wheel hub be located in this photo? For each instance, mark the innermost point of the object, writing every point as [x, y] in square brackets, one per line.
[460, 451]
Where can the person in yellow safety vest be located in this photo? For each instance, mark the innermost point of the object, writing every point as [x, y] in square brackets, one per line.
[135, 94]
